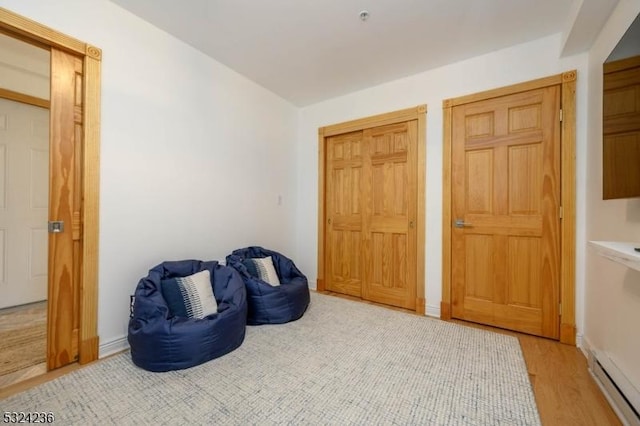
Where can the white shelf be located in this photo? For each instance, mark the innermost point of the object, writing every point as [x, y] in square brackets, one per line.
[619, 251]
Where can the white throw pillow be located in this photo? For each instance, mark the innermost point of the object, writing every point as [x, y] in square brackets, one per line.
[266, 270]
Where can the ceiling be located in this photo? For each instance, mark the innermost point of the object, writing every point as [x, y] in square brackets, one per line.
[307, 51]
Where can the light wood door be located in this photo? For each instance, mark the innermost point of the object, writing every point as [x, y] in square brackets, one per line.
[371, 204]
[345, 205]
[24, 192]
[621, 128]
[389, 230]
[65, 205]
[505, 193]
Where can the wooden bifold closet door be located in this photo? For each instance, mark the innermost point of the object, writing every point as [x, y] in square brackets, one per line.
[371, 204]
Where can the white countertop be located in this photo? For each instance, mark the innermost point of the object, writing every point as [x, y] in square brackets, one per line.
[619, 251]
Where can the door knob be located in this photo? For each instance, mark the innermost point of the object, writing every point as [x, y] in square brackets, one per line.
[460, 223]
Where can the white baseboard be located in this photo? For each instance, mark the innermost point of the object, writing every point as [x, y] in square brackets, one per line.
[114, 346]
[432, 311]
[583, 344]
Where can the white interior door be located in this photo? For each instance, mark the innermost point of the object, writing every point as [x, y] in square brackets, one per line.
[24, 202]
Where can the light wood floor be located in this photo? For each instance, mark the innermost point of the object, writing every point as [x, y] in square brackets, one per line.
[565, 392]
[33, 313]
[22, 375]
[13, 318]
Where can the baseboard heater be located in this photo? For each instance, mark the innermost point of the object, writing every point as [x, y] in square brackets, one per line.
[621, 394]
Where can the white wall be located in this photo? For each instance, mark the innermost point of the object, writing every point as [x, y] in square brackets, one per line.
[24, 68]
[509, 66]
[612, 306]
[193, 155]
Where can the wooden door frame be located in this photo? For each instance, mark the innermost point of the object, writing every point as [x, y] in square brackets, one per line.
[567, 82]
[416, 113]
[91, 56]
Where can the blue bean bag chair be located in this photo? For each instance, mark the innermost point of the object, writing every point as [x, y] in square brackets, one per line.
[271, 304]
[194, 330]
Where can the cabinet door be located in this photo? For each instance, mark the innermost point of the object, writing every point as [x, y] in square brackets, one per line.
[621, 126]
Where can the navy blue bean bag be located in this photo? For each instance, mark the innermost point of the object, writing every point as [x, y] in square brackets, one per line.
[161, 341]
[269, 304]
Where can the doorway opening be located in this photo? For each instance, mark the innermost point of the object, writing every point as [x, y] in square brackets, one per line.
[69, 260]
[24, 207]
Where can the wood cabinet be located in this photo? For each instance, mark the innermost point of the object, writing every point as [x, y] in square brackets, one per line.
[621, 129]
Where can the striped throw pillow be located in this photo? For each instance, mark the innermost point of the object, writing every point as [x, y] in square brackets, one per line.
[263, 269]
[191, 296]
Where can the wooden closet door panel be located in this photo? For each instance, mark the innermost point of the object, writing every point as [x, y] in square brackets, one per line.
[344, 200]
[390, 191]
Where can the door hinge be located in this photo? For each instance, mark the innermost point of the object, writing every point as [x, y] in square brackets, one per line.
[559, 309]
[561, 115]
[561, 212]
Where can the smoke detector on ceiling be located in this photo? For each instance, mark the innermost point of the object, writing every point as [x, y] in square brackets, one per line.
[364, 15]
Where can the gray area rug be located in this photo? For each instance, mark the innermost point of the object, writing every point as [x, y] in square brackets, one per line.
[342, 363]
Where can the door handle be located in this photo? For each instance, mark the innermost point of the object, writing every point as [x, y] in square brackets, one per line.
[460, 223]
[55, 226]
